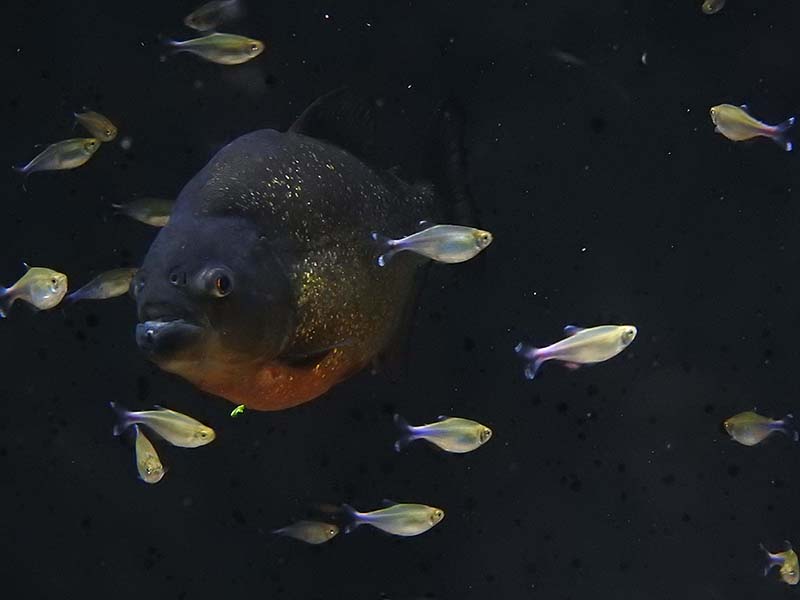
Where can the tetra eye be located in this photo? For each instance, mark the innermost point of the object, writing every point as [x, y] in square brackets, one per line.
[253, 47]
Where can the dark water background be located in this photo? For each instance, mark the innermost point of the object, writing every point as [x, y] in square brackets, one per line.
[611, 200]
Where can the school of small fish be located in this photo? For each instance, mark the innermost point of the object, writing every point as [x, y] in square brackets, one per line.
[44, 288]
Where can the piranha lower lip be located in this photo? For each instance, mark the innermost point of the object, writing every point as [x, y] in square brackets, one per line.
[165, 337]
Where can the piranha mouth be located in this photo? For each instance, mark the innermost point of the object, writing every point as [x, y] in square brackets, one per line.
[167, 337]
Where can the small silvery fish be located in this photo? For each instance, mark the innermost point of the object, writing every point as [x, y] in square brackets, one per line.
[749, 428]
[735, 123]
[221, 48]
[98, 125]
[442, 243]
[178, 429]
[212, 14]
[62, 156]
[711, 7]
[147, 462]
[451, 434]
[398, 519]
[40, 287]
[582, 347]
[310, 532]
[110, 284]
[150, 211]
[787, 560]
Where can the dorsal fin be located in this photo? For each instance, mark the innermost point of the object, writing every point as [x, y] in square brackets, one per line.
[341, 118]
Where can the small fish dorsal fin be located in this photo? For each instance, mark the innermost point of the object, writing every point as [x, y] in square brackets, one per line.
[442, 417]
[572, 329]
[745, 108]
[341, 118]
[388, 503]
[27, 266]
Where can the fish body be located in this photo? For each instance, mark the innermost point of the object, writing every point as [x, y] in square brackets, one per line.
[150, 211]
[263, 287]
[221, 48]
[582, 347]
[41, 287]
[442, 243]
[398, 519]
[109, 284]
[212, 14]
[452, 434]
[787, 561]
[711, 7]
[310, 532]
[96, 124]
[178, 429]
[735, 123]
[749, 428]
[147, 461]
[64, 155]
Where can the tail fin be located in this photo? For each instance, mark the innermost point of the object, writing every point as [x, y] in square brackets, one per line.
[6, 300]
[771, 560]
[351, 514]
[406, 436]
[788, 427]
[123, 416]
[531, 354]
[386, 243]
[780, 134]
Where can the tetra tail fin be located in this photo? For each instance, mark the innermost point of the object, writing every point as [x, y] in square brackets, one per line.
[124, 418]
[406, 436]
[532, 355]
[387, 244]
[772, 560]
[352, 515]
[780, 134]
[788, 427]
[6, 300]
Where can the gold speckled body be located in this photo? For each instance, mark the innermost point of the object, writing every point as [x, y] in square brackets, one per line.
[315, 205]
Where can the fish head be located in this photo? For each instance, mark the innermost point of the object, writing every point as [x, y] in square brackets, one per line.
[484, 434]
[330, 530]
[482, 238]
[254, 48]
[203, 435]
[152, 470]
[48, 287]
[211, 293]
[436, 515]
[728, 426]
[715, 112]
[109, 132]
[89, 146]
[790, 573]
[627, 335]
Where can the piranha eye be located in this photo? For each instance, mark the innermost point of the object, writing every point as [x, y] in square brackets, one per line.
[222, 285]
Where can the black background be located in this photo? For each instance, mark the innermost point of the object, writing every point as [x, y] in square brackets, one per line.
[611, 200]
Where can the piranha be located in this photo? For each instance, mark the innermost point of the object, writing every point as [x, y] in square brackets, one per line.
[263, 288]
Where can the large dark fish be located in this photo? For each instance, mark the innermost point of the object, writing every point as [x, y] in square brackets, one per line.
[263, 288]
